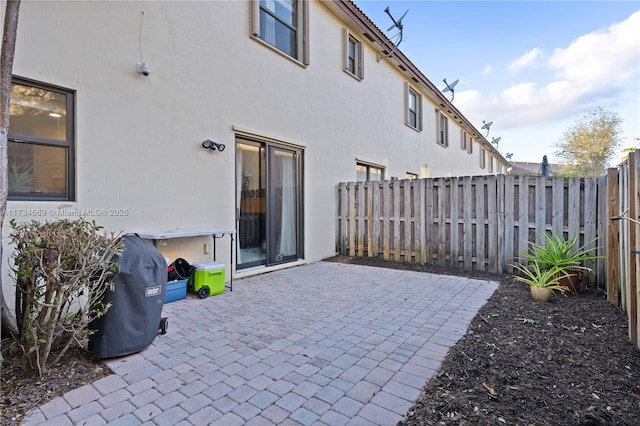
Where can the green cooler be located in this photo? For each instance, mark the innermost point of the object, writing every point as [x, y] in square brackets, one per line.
[207, 279]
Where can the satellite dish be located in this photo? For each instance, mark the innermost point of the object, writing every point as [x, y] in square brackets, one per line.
[508, 155]
[450, 88]
[495, 141]
[396, 24]
[399, 36]
[486, 126]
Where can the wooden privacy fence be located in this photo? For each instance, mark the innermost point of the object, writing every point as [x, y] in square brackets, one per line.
[479, 223]
[623, 241]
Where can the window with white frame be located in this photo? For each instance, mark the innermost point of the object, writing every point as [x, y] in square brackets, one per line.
[470, 145]
[490, 163]
[352, 56]
[411, 176]
[413, 112]
[368, 171]
[40, 142]
[282, 24]
[483, 158]
[442, 129]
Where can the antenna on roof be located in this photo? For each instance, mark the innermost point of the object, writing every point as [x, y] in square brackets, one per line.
[450, 88]
[399, 35]
[486, 126]
[495, 141]
[508, 155]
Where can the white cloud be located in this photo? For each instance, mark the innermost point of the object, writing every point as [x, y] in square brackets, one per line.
[596, 69]
[601, 57]
[525, 60]
[487, 70]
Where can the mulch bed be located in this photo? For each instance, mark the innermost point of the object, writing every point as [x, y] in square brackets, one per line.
[523, 362]
[21, 390]
[563, 362]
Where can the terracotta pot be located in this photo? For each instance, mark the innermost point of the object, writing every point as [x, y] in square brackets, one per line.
[572, 282]
[541, 293]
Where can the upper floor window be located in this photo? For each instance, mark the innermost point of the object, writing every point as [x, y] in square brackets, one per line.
[40, 142]
[410, 175]
[483, 158]
[352, 55]
[283, 25]
[443, 129]
[466, 142]
[414, 108]
[366, 171]
[490, 163]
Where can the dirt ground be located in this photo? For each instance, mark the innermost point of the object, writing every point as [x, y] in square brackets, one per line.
[563, 362]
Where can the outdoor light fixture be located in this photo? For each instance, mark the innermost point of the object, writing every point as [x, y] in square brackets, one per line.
[213, 146]
[143, 69]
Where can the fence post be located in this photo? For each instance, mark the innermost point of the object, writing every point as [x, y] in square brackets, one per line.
[351, 211]
[613, 240]
[500, 230]
[634, 261]
[421, 224]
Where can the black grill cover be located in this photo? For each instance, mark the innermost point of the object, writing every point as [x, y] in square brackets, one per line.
[132, 321]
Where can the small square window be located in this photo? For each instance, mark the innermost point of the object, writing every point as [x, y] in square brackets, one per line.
[366, 172]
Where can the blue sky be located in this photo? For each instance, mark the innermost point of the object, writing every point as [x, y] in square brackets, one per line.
[531, 67]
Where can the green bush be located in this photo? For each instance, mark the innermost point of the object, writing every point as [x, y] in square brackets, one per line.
[62, 269]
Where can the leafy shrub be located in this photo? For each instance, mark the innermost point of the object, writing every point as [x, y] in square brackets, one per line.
[62, 269]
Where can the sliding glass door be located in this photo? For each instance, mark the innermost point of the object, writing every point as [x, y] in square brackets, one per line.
[268, 191]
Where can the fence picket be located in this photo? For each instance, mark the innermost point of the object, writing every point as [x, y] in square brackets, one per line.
[467, 226]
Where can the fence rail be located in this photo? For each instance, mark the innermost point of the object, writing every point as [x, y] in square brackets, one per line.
[483, 223]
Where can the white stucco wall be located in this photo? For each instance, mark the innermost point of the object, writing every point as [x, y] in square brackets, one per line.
[138, 138]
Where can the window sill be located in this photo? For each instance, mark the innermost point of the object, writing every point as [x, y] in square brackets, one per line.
[352, 75]
[413, 128]
[278, 51]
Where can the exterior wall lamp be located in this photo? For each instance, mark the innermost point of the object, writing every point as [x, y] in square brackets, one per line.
[209, 144]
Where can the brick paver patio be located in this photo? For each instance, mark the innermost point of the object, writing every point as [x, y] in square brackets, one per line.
[326, 343]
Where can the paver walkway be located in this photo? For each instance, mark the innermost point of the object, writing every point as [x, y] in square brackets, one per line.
[326, 343]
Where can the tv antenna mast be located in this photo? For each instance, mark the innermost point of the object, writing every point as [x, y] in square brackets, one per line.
[495, 141]
[450, 88]
[486, 126]
[398, 37]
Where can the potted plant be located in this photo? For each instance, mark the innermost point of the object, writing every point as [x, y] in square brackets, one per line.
[543, 282]
[565, 256]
